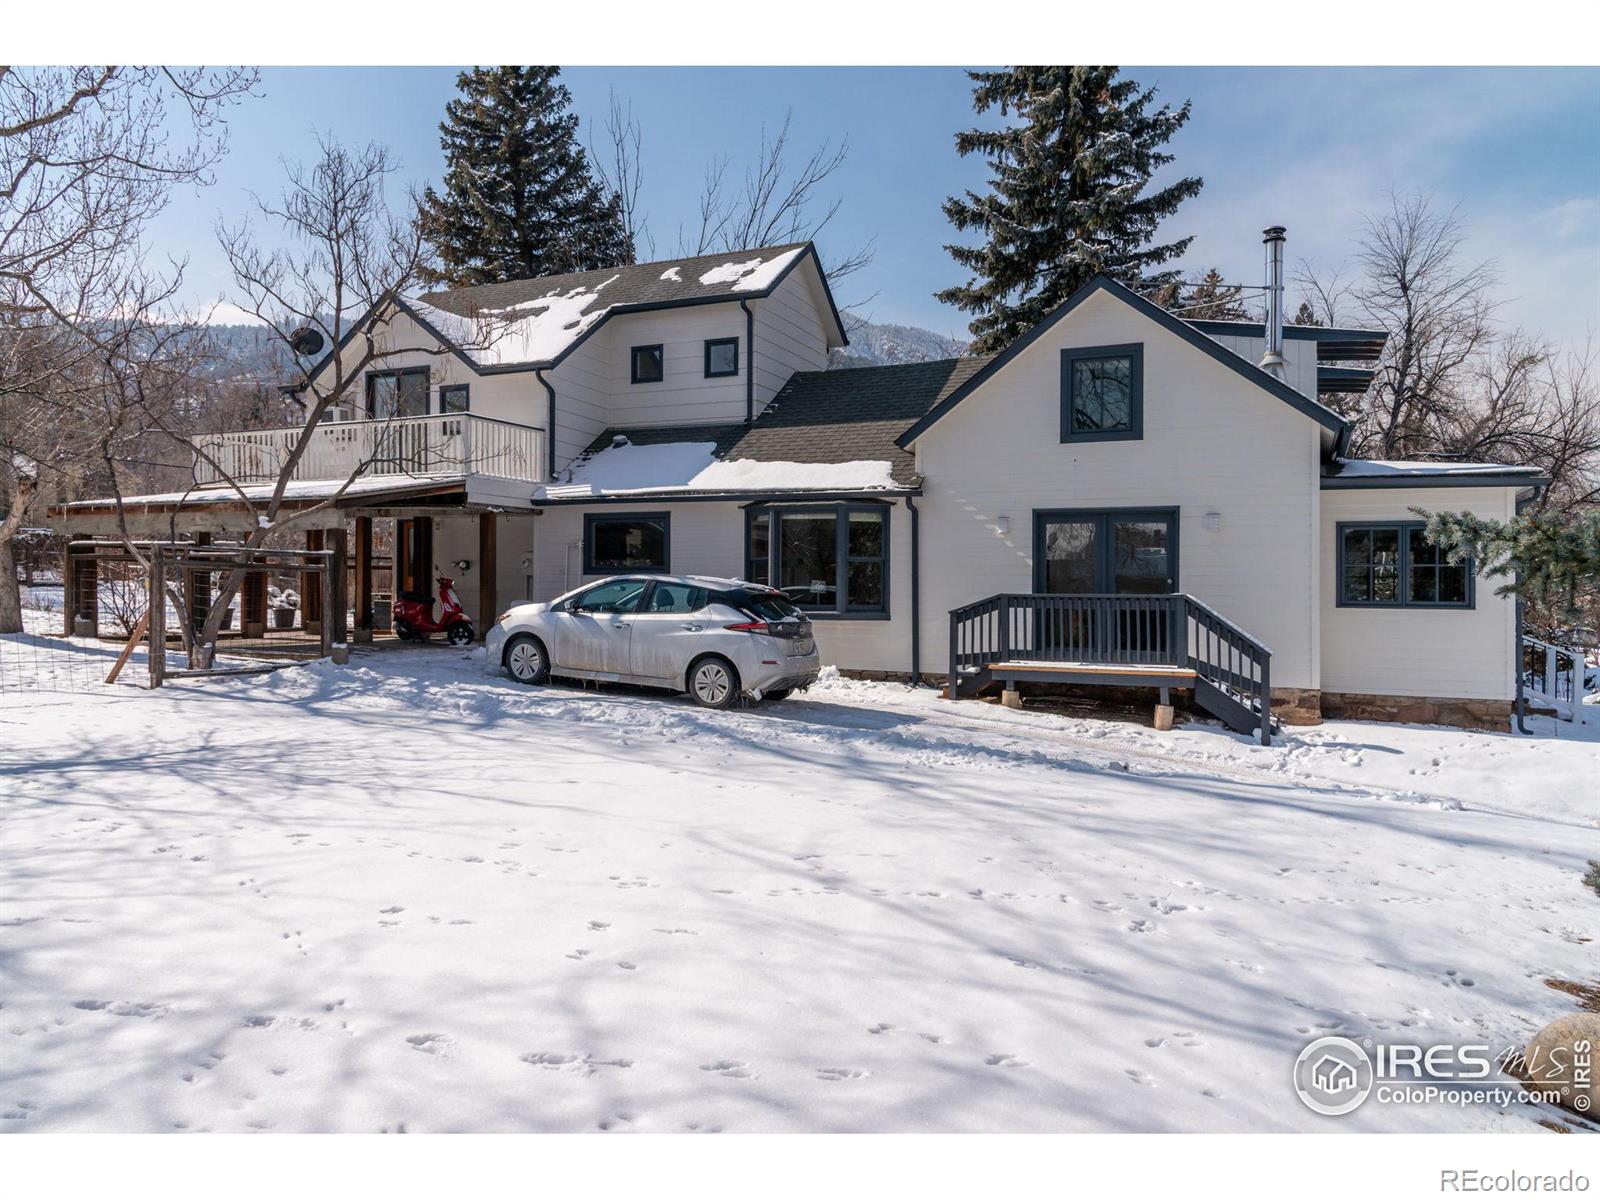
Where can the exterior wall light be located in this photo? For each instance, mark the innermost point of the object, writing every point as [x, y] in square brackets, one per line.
[1213, 521]
[1002, 524]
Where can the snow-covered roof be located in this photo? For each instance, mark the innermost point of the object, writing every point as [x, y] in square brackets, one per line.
[624, 469]
[1374, 472]
[297, 490]
[534, 322]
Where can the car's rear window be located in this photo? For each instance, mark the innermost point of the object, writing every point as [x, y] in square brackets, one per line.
[768, 606]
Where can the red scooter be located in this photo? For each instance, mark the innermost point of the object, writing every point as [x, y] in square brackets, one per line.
[413, 616]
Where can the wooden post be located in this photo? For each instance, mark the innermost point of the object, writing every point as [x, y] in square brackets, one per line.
[253, 604]
[158, 617]
[400, 576]
[325, 592]
[197, 589]
[423, 566]
[489, 577]
[80, 592]
[69, 586]
[338, 606]
[363, 552]
[311, 589]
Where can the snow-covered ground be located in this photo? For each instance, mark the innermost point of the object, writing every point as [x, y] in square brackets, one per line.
[408, 895]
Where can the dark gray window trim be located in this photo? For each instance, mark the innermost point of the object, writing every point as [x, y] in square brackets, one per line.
[1321, 414]
[1135, 431]
[395, 373]
[448, 389]
[841, 513]
[591, 519]
[712, 343]
[633, 362]
[1170, 514]
[1403, 584]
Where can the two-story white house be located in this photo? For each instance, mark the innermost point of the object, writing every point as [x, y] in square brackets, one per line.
[1121, 497]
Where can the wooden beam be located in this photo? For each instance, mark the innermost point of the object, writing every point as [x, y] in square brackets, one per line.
[489, 577]
[134, 638]
[158, 618]
[363, 553]
[338, 593]
[311, 587]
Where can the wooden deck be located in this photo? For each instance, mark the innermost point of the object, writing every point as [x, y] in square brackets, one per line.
[1107, 674]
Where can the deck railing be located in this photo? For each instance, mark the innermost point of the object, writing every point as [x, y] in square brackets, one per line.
[1174, 630]
[1553, 674]
[444, 444]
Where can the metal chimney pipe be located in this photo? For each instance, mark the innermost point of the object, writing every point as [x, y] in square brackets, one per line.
[1272, 359]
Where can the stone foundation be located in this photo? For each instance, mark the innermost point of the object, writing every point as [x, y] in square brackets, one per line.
[1493, 715]
[1297, 706]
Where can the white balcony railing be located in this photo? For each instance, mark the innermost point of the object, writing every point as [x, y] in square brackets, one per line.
[450, 444]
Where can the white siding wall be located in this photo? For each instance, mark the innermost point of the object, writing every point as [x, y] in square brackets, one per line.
[1300, 359]
[456, 538]
[583, 396]
[791, 331]
[1447, 653]
[708, 539]
[685, 395]
[515, 397]
[1212, 442]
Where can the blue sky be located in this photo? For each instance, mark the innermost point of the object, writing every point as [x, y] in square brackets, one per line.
[1311, 148]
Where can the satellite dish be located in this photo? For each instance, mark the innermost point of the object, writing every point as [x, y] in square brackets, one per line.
[306, 341]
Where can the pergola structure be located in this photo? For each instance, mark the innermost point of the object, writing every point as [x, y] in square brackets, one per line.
[219, 518]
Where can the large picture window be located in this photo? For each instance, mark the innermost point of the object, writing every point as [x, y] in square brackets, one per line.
[1392, 565]
[825, 560]
[392, 394]
[634, 542]
[1102, 394]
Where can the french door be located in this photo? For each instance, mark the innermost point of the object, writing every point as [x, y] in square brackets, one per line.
[1101, 552]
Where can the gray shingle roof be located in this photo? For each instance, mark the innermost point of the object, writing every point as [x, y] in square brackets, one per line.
[826, 417]
[671, 281]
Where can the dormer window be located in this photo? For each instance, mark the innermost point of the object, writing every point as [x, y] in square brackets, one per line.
[648, 364]
[722, 357]
[1102, 394]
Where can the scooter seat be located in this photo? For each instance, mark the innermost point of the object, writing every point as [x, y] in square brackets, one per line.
[417, 597]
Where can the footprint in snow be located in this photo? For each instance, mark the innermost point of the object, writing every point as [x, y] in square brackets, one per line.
[731, 1068]
[392, 909]
[428, 1043]
[880, 1027]
[839, 1074]
[599, 926]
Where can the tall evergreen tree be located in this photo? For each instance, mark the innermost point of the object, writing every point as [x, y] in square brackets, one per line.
[1069, 194]
[1211, 298]
[520, 199]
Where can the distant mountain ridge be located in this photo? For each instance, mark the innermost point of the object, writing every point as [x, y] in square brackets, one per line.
[885, 345]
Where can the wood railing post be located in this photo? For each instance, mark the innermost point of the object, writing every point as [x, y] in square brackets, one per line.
[1266, 700]
[955, 671]
[1005, 629]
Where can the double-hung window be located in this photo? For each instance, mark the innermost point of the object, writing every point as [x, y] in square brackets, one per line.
[1391, 564]
[1102, 394]
[825, 560]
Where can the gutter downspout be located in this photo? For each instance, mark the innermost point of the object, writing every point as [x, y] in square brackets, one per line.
[1521, 702]
[749, 363]
[549, 424]
[916, 592]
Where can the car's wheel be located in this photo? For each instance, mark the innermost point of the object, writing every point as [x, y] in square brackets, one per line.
[526, 660]
[459, 634]
[779, 694]
[713, 683]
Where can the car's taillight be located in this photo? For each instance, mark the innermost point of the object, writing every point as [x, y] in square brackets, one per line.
[751, 627]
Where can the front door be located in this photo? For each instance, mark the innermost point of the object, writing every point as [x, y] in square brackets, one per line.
[1104, 552]
[594, 631]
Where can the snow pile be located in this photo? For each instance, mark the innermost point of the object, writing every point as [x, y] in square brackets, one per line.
[753, 276]
[673, 274]
[532, 331]
[692, 467]
[1379, 468]
[263, 904]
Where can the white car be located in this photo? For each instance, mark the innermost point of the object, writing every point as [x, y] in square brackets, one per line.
[716, 639]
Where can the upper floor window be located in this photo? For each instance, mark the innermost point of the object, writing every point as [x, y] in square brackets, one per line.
[647, 364]
[1392, 565]
[1102, 394]
[626, 542]
[722, 357]
[454, 398]
[402, 393]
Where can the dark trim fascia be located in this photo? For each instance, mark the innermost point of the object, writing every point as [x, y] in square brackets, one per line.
[550, 422]
[591, 568]
[916, 590]
[754, 498]
[1402, 568]
[1335, 483]
[750, 362]
[1293, 333]
[1323, 416]
[1135, 431]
